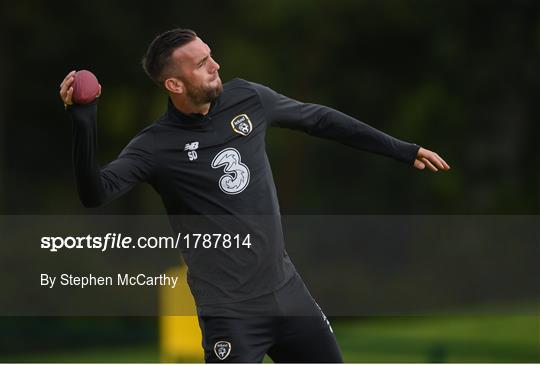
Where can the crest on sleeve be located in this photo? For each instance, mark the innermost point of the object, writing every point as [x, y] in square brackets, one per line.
[241, 124]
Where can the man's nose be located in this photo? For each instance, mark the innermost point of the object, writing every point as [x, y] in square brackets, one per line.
[215, 65]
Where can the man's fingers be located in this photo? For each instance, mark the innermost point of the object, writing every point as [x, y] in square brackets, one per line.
[65, 86]
[419, 164]
[67, 83]
[439, 162]
[68, 76]
[69, 96]
[66, 89]
[65, 93]
[429, 164]
[433, 158]
[447, 166]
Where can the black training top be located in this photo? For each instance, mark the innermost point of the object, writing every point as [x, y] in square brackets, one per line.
[217, 165]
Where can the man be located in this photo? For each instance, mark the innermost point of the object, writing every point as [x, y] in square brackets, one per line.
[206, 155]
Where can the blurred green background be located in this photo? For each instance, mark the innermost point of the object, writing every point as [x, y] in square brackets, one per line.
[456, 338]
[460, 77]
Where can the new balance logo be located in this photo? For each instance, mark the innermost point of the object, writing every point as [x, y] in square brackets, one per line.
[191, 147]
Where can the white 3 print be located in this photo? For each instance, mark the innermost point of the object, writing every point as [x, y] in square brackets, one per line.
[236, 177]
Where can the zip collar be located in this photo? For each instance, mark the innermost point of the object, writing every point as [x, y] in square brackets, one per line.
[190, 121]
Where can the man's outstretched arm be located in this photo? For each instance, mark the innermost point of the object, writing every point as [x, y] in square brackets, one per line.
[98, 186]
[325, 122]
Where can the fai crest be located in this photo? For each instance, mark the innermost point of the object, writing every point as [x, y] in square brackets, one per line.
[222, 349]
[242, 125]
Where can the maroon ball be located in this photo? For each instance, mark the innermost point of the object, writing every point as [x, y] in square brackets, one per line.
[85, 87]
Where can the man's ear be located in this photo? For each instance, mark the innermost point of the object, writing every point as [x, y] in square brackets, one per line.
[174, 85]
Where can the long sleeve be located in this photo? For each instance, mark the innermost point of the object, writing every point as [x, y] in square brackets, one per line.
[325, 122]
[98, 186]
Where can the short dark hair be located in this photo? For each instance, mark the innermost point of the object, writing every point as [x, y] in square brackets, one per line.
[158, 55]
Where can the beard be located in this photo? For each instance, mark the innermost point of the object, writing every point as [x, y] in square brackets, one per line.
[204, 94]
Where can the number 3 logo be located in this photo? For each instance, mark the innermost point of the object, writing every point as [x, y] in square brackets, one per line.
[236, 177]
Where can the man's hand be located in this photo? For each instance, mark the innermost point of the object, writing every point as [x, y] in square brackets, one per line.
[428, 158]
[66, 89]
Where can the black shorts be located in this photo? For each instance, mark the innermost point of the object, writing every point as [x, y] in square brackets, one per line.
[287, 324]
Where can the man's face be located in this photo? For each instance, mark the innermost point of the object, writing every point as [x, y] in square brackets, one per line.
[198, 71]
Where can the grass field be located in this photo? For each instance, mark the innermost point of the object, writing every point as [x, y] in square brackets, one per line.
[413, 339]
[436, 339]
